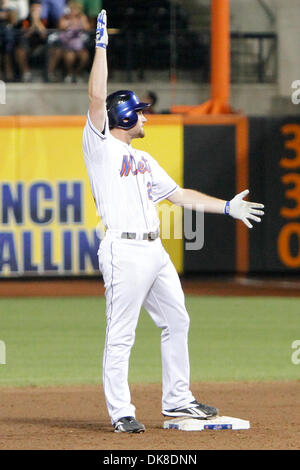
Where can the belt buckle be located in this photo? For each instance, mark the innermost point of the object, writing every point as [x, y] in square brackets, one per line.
[151, 236]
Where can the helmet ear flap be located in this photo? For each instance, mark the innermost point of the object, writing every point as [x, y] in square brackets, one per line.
[123, 122]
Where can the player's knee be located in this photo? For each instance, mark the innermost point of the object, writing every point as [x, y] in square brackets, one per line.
[182, 319]
[179, 326]
[185, 322]
[119, 346]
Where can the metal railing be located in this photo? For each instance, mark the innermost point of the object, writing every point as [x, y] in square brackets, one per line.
[254, 57]
[184, 55]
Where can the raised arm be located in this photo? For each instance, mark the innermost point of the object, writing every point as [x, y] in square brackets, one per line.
[98, 76]
[237, 207]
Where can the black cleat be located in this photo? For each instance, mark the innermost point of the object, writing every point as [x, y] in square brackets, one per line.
[129, 424]
[193, 410]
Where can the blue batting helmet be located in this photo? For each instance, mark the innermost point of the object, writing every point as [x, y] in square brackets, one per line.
[122, 107]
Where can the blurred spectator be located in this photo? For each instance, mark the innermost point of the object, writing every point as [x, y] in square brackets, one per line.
[7, 19]
[21, 8]
[31, 38]
[150, 97]
[52, 11]
[70, 44]
[91, 9]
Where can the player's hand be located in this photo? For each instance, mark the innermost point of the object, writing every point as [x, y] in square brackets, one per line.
[101, 31]
[243, 210]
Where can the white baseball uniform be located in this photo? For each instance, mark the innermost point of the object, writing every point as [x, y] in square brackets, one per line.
[126, 184]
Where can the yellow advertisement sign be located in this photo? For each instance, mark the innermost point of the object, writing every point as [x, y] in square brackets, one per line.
[48, 219]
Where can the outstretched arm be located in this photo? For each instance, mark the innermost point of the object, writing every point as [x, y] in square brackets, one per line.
[98, 76]
[237, 208]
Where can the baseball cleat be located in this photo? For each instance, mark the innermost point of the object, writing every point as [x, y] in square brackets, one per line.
[193, 410]
[129, 424]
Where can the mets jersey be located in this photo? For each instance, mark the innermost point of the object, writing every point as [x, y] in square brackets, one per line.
[126, 183]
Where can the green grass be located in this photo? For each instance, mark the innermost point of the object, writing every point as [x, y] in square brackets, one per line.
[60, 340]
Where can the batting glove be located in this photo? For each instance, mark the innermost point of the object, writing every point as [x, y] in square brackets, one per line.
[243, 210]
[101, 31]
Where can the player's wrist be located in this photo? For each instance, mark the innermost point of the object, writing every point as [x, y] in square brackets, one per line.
[227, 208]
[100, 45]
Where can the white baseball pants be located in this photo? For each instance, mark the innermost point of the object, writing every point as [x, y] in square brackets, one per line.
[140, 273]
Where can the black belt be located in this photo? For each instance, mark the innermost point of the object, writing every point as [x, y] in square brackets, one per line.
[150, 236]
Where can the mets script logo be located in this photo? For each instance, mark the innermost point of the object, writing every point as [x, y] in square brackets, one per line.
[129, 165]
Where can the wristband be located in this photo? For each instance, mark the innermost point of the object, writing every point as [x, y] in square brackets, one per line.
[227, 208]
[104, 46]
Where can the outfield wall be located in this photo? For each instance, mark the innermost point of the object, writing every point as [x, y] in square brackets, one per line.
[262, 154]
[49, 225]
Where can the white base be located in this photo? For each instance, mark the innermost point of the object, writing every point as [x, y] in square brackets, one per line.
[194, 424]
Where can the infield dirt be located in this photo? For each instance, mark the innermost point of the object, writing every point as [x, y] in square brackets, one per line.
[75, 417]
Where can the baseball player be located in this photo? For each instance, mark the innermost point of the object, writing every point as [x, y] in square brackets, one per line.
[126, 184]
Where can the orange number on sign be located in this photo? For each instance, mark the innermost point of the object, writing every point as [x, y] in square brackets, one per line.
[293, 193]
[293, 144]
[284, 245]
